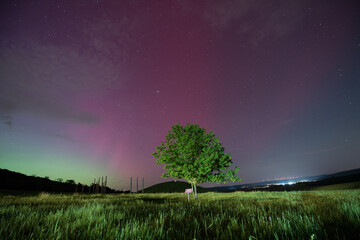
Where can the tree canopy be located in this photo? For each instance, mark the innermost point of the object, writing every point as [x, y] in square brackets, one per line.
[193, 154]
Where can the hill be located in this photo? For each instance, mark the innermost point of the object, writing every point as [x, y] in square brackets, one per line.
[172, 187]
[302, 183]
[17, 183]
[13, 181]
[339, 186]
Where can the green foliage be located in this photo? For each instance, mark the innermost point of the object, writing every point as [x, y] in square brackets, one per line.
[194, 155]
[239, 215]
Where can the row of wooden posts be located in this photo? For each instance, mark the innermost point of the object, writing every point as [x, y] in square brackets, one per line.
[95, 187]
[137, 185]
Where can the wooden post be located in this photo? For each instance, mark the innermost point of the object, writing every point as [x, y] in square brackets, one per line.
[188, 191]
[105, 183]
[93, 186]
[97, 186]
[82, 189]
[137, 184]
[102, 184]
[130, 184]
[76, 188]
[143, 186]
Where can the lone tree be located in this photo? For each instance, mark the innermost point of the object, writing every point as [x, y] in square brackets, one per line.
[194, 155]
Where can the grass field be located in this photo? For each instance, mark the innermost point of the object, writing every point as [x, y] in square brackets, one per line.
[239, 215]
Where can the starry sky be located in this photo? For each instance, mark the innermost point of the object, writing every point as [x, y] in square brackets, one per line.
[90, 88]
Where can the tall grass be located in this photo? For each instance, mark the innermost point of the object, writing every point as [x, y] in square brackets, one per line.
[251, 215]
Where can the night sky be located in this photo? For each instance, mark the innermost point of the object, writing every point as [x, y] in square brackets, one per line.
[90, 88]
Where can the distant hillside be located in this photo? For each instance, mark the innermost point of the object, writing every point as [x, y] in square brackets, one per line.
[341, 174]
[339, 186]
[12, 182]
[302, 183]
[172, 187]
[15, 181]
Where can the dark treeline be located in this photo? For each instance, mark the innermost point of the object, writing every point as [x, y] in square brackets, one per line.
[10, 180]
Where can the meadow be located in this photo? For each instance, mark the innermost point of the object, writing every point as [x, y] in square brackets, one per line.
[240, 215]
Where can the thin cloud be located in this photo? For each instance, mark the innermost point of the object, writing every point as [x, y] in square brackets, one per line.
[48, 80]
[320, 151]
[253, 19]
[55, 135]
[7, 120]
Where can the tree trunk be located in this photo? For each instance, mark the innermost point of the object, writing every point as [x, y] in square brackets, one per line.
[192, 187]
[195, 191]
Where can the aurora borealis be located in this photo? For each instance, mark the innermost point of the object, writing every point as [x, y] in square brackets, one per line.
[89, 88]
